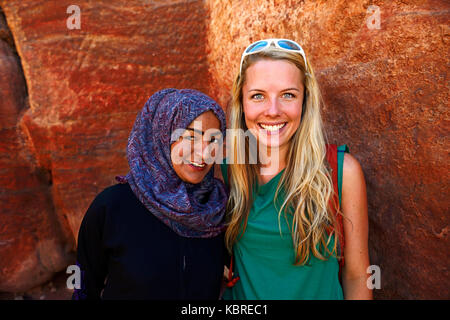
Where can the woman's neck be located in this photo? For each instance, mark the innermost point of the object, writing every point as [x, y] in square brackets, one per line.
[271, 163]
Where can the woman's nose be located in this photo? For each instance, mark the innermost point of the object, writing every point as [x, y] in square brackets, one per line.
[273, 107]
[201, 150]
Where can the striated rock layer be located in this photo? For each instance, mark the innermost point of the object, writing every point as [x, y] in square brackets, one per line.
[85, 88]
[386, 96]
[69, 98]
[32, 246]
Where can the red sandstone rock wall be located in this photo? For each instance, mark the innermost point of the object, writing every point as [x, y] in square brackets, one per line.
[85, 88]
[386, 95]
[69, 99]
[32, 245]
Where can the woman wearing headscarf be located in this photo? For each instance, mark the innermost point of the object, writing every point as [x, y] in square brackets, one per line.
[158, 233]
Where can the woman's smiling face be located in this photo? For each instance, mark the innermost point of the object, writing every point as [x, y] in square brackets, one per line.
[193, 154]
[272, 99]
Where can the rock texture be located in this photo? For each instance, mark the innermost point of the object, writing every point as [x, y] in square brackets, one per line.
[386, 95]
[69, 97]
[32, 246]
[85, 88]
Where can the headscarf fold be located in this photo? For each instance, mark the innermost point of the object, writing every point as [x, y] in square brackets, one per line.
[191, 210]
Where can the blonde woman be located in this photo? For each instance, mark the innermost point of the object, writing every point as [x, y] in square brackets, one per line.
[279, 207]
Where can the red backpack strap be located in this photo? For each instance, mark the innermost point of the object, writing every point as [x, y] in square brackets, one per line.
[231, 281]
[332, 158]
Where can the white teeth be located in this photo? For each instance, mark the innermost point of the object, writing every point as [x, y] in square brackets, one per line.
[272, 128]
[197, 164]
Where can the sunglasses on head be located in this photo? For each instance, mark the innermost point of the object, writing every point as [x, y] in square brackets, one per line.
[283, 44]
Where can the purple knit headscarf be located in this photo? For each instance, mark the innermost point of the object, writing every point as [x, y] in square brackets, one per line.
[191, 210]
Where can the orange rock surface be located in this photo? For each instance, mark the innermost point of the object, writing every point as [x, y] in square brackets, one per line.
[70, 97]
[386, 97]
[85, 88]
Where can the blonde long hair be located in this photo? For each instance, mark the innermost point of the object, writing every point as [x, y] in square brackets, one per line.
[306, 181]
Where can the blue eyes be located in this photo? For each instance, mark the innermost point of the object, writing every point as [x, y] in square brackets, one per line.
[260, 96]
[288, 95]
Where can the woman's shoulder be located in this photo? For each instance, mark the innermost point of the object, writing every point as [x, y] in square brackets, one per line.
[108, 204]
[351, 166]
[105, 212]
[111, 199]
[113, 193]
[353, 182]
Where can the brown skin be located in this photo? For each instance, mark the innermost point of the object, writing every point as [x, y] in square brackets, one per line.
[196, 146]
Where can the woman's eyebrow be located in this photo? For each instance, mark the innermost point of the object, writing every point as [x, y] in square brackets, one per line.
[287, 89]
[195, 130]
[217, 132]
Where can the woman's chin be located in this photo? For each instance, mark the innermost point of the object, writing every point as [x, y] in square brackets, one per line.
[268, 144]
[193, 175]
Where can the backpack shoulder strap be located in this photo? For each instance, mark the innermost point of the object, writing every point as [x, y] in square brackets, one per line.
[335, 159]
[341, 150]
[332, 158]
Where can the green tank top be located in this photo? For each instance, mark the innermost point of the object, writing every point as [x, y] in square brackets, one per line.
[263, 258]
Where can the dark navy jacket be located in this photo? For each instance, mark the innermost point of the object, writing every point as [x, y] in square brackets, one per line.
[125, 252]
